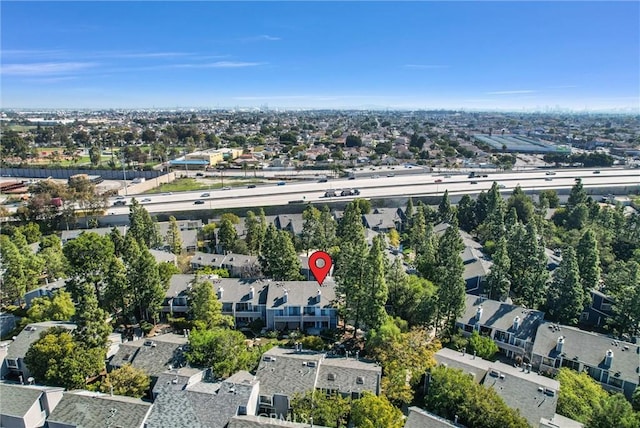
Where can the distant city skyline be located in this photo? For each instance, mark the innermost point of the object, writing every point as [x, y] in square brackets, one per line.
[519, 56]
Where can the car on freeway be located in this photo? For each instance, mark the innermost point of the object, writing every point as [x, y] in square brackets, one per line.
[548, 179]
[251, 186]
[119, 203]
[199, 202]
[439, 180]
[322, 180]
[447, 176]
[391, 174]
[352, 178]
[281, 183]
[199, 174]
[226, 188]
[501, 186]
[550, 173]
[205, 195]
[474, 182]
[168, 193]
[375, 176]
[120, 197]
[597, 171]
[146, 200]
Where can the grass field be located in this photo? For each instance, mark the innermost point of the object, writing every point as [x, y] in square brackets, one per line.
[191, 184]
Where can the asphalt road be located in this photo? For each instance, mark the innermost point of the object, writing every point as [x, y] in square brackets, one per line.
[383, 186]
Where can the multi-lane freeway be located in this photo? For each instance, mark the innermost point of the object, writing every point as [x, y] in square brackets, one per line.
[428, 184]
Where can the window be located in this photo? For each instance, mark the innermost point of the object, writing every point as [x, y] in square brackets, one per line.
[243, 307]
[294, 311]
[12, 363]
[615, 381]
[227, 307]
[548, 362]
[605, 307]
[331, 376]
[264, 399]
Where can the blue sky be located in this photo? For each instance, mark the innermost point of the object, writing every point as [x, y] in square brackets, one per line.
[480, 55]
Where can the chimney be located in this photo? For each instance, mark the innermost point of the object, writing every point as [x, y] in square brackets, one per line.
[559, 344]
[251, 291]
[608, 358]
[479, 313]
[516, 323]
[220, 291]
[318, 296]
[285, 298]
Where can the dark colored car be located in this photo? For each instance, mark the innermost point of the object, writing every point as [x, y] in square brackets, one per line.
[199, 202]
[251, 186]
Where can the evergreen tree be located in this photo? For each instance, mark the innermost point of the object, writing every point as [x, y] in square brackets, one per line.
[565, 299]
[118, 295]
[528, 273]
[92, 329]
[588, 259]
[377, 291]
[253, 233]
[494, 221]
[448, 277]
[174, 238]
[326, 230]
[350, 228]
[522, 204]
[142, 227]
[14, 279]
[147, 287]
[408, 214]
[467, 213]
[205, 308]
[577, 195]
[623, 284]
[227, 235]
[498, 282]
[444, 209]
[279, 259]
[310, 228]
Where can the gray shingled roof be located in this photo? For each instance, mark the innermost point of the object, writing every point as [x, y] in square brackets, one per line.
[153, 355]
[17, 399]
[251, 421]
[68, 235]
[519, 390]
[590, 348]
[300, 293]
[200, 404]
[419, 418]
[350, 375]
[500, 315]
[19, 347]
[287, 375]
[83, 409]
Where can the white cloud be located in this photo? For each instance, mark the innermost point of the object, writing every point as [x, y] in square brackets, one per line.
[261, 38]
[44, 68]
[516, 92]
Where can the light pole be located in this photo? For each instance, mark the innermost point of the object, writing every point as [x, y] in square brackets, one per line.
[124, 176]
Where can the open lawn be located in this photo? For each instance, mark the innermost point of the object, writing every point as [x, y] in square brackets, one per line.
[191, 184]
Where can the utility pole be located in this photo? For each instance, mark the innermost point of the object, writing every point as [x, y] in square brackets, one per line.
[124, 176]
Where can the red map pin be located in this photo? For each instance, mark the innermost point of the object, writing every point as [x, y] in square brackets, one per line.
[320, 264]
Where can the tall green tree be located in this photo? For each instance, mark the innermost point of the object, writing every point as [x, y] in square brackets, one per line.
[522, 204]
[147, 286]
[528, 274]
[623, 284]
[376, 285]
[56, 359]
[227, 235]
[14, 278]
[253, 233]
[142, 227]
[326, 410]
[310, 228]
[615, 411]
[451, 285]
[118, 293]
[577, 195]
[89, 257]
[53, 259]
[498, 282]
[444, 209]
[580, 396]
[588, 259]
[205, 308]
[467, 213]
[410, 297]
[174, 237]
[279, 259]
[326, 230]
[92, 329]
[350, 228]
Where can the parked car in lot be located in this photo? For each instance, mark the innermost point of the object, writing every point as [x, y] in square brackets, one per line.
[199, 202]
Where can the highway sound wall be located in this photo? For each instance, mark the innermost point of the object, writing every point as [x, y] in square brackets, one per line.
[107, 174]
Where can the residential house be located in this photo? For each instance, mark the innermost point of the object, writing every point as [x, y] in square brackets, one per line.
[189, 236]
[419, 418]
[69, 235]
[383, 219]
[7, 323]
[84, 409]
[238, 265]
[184, 397]
[513, 328]
[534, 395]
[44, 291]
[301, 305]
[615, 364]
[285, 372]
[264, 421]
[599, 310]
[476, 265]
[14, 361]
[152, 355]
[27, 406]
[164, 257]
[290, 222]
